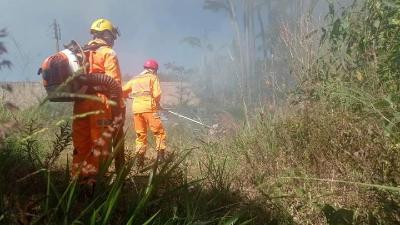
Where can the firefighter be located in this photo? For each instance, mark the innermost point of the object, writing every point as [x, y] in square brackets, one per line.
[146, 92]
[91, 134]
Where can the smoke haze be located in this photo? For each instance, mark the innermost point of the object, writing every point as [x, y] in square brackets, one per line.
[149, 29]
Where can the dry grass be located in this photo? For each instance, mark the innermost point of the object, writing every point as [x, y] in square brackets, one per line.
[314, 142]
[260, 166]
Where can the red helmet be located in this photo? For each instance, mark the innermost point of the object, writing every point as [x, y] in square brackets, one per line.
[151, 64]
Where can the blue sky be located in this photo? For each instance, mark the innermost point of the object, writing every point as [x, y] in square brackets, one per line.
[149, 29]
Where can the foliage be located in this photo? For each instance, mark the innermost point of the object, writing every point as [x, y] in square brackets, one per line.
[310, 159]
[359, 47]
[329, 156]
[371, 43]
[3, 50]
[38, 190]
[338, 217]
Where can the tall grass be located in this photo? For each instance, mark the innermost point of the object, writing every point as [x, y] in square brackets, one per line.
[35, 186]
[303, 162]
[330, 156]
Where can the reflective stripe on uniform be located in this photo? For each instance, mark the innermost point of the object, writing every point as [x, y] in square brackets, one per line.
[140, 94]
[146, 92]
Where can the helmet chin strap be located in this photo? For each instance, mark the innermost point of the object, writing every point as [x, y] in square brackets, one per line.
[106, 36]
[148, 70]
[110, 42]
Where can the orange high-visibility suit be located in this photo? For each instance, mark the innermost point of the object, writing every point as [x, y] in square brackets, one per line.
[146, 92]
[90, 137]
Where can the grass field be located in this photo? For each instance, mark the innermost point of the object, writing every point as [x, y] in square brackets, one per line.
[326, 152]
[305, 167]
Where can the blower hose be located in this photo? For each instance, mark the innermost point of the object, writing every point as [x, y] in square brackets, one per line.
[108, 86]
[101, 83]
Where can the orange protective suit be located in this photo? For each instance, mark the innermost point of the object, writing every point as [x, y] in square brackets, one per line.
[146, 92]
[90, 128]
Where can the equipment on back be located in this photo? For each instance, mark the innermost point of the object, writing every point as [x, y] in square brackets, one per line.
[64, 74]
[59, 72]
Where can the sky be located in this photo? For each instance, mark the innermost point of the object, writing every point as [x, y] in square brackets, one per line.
[149, 29]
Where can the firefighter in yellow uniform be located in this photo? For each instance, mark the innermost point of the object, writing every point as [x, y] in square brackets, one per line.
[146, 92]
[92, 118]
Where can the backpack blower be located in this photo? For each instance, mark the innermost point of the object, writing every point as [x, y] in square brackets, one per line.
[64, 75]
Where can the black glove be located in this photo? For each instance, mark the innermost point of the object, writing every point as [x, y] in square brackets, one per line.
[158, 106]
[116, 110]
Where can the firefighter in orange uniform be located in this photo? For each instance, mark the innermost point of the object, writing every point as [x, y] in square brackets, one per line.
[146, 92]
[92, 142]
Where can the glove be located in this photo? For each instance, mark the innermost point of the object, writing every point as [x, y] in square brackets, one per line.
[116, 111]
[158, 106]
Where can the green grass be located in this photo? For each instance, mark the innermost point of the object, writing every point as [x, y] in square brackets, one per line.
[314, 164]
[298, 166]
[329, 157]
[311, 157]
[38, 193]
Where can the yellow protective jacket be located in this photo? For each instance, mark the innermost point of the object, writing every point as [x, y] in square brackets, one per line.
[146, 92]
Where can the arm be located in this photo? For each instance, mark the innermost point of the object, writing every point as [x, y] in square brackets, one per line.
[111, 65]
[156, 91]
[127, 89]
[112, 69]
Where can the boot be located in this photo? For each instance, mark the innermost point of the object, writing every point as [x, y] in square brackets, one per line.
[160, 155]
[87, 186]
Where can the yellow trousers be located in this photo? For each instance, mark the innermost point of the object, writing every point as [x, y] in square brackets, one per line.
[141, 122]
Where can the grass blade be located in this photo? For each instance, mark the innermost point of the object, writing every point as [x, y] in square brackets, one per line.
[383, 187]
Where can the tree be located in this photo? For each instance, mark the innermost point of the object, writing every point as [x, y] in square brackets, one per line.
[3, 50]
[183, 90]
[244, 45]
[207, 76]
[257, 53]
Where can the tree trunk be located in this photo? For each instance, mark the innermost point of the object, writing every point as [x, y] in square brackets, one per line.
[238, 40]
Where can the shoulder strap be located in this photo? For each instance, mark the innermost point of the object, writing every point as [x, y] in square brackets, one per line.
[93, 47]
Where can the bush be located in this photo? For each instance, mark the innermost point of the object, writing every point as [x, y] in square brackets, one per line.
[313, 156]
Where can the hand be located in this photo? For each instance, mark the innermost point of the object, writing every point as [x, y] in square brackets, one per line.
[159, 107]
[116, 111]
